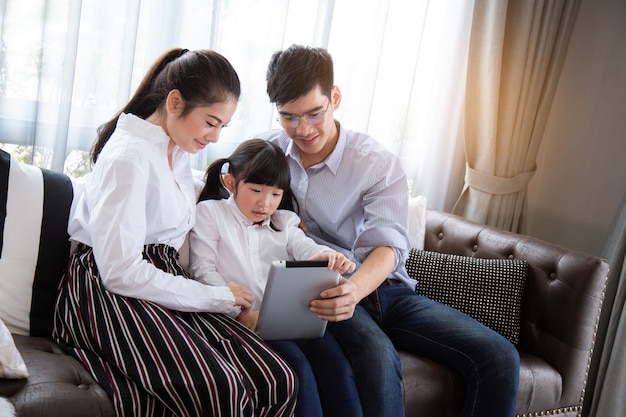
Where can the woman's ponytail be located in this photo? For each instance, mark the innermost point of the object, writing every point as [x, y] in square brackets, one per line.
[142, 104]
[202, 77]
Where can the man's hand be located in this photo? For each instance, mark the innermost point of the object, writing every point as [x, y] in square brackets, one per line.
[337, 303]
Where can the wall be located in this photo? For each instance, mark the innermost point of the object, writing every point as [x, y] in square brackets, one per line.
[581, 166]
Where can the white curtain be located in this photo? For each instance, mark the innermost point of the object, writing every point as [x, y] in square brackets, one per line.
[67, 65]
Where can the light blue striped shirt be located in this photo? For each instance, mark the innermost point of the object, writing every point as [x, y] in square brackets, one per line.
[354, 201]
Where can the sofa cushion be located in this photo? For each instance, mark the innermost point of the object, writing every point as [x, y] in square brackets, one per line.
[34, 245]
[58, 384]
[489, 290]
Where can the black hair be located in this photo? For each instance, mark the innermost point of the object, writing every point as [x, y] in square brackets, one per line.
[257, 161]
[296, 71]
[203, 77]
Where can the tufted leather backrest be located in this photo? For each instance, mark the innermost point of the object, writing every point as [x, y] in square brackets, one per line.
[562, 298]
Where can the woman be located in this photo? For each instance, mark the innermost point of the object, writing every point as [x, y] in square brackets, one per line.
[126, 309]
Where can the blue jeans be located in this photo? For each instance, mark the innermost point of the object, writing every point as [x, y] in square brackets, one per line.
[396, 317]
[325, 378]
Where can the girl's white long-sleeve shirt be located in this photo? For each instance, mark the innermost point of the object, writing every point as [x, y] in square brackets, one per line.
[133, 198]
[226, 246]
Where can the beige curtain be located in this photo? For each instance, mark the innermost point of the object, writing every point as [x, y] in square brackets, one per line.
[517, 49]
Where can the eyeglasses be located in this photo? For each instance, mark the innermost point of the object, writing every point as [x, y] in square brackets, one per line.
[291, 121]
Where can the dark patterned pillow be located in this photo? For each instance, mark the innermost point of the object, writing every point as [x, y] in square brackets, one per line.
[489, 290]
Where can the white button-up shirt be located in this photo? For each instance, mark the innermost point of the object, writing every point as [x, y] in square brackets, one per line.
[133, 198]
[226, 246]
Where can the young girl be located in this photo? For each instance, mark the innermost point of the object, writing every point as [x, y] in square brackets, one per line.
[126, 308]
[236, 238]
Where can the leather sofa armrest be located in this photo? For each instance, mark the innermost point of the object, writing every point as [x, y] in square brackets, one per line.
[562, 298]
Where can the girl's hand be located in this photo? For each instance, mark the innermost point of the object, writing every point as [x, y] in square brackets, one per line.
[336, 261]
[243, 297]
[249, 320]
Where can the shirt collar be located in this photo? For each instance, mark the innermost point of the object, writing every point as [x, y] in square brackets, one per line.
[241, 218]
[153, 133]
[143, 128]
[332, 161]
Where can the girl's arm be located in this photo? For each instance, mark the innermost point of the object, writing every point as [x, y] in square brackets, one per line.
[300, 246]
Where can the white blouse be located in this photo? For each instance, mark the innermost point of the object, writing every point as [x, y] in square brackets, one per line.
[226, 246]
[133, 198]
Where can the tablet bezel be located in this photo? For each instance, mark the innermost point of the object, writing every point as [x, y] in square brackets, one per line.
[285, 312]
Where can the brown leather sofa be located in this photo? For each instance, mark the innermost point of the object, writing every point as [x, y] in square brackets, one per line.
[560, 311]
[561, 306]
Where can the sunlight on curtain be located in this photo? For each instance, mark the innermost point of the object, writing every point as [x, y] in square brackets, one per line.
[517, 53]
[67, 65]
[402, 73]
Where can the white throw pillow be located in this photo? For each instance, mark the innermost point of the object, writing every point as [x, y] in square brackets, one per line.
[417, 221]
[11, 363]
[34, 245]
[6, 408]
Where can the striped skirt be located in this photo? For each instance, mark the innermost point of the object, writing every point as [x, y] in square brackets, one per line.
[157, 362]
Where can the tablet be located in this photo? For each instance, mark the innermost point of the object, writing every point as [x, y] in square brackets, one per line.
[285, 309]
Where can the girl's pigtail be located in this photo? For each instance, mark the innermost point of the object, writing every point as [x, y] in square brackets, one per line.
[214, 188]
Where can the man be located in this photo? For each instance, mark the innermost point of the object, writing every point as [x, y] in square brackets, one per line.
[352, 196]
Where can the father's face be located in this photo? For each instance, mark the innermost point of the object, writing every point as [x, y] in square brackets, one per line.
[309, 122]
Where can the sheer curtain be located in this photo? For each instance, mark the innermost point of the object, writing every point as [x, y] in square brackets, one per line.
[67, 65]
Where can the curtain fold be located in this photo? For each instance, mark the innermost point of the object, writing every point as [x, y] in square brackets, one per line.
[607, 379]
[517, 48]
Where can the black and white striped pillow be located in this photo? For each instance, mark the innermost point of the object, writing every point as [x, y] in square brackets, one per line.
[34, 244]
[489, 290]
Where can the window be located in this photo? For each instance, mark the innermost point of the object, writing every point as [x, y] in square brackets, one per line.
[66, 66]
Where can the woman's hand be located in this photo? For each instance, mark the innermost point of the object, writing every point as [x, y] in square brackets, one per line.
[243, 297]
[336, 261]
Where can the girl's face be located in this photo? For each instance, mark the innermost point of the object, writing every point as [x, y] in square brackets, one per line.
[201, 126]
[257, 202]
